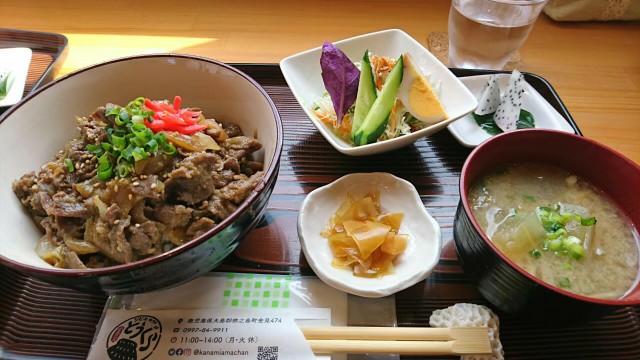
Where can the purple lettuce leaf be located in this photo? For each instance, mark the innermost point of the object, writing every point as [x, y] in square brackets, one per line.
[340, 77]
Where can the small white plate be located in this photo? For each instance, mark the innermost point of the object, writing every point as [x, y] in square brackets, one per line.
[415, 264]
[302, 73]
[469, 134]
[15, 60]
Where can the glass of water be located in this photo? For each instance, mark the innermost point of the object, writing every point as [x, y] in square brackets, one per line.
[483, 34]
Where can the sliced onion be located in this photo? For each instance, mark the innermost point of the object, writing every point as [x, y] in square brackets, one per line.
[194, 142]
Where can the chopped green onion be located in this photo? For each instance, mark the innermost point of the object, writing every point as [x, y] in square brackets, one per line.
[577, 251]
[69, 164]
[170, 149]
[118, 142]
[124, 169]
[139, 154]
[535, 253]
[529, 198]
[555, 244]
[564, 282]
[94, 149]
[129, 140]
[152, 145]
[137, 119]
[558, 238]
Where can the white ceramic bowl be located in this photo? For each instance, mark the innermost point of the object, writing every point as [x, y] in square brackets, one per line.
[469, 134]
[303, 74]
[35, 129]
[415, 264]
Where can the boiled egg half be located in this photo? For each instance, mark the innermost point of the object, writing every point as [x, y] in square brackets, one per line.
[418, 96]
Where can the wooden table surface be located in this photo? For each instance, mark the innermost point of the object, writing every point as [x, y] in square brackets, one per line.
[594, 66]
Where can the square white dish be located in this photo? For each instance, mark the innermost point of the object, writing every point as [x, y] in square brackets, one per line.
[415, 264]
[303, 75]
[16, 61]
[469, 134]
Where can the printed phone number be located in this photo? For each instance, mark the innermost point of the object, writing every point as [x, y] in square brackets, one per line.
[205, 330]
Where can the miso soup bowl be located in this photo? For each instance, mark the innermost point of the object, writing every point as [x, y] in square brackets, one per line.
[503, 283]
[35, 129]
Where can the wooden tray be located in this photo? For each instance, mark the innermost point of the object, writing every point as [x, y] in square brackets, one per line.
[43, 320]
[49, 52]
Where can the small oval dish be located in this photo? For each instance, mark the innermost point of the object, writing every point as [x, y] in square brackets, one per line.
[415, 264]
[303, 75]
[14, 68]
[469, 134]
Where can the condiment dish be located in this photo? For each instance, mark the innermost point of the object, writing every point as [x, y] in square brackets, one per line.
[469, 134]
[415, 264]
[14, 68]
[303, 74]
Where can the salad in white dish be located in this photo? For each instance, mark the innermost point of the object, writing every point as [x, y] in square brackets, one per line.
[376, 99]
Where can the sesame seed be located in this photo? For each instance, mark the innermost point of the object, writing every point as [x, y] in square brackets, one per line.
[135, 183]
[116, 222]
[115, 188]
[130, 196]
[34, 187]
[153, 186]
[137, 225]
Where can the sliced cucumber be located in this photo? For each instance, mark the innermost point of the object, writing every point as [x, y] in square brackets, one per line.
[366, 94]
[375, 122]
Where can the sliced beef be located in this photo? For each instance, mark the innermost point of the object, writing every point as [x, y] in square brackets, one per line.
[146, 238]
[223, 178]
[240, 189]
[251, 167]
[70, 259]
[94, 128]
[241, 146]
[97, 261]
[200, 227]
[173, 216]
[107, 234]
[232, 130]
[63, 204]
[232, 164]
[169, 199]
[147, 188]
[220, 208]
[26, 189]
[192, 181]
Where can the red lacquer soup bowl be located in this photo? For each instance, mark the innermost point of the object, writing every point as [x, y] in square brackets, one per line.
[503, 283]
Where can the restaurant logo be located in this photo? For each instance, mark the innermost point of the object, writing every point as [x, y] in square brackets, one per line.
[134, 339]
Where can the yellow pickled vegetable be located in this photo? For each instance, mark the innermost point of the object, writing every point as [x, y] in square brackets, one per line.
[364, 239]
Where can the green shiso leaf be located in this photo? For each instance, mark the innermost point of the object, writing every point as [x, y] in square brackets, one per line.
[486, 122]
[5, 85]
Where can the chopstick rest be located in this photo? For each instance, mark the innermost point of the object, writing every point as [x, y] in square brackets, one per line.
[395, 340]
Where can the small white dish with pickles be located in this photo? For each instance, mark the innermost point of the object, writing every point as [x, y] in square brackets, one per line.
[386, 108]
[381, 252]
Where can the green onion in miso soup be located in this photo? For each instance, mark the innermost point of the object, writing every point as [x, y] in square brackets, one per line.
[559, 228]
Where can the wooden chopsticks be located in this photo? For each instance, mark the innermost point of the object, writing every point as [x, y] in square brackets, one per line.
[395, 340]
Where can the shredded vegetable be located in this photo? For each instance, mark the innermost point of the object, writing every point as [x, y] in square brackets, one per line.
[169, 117]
